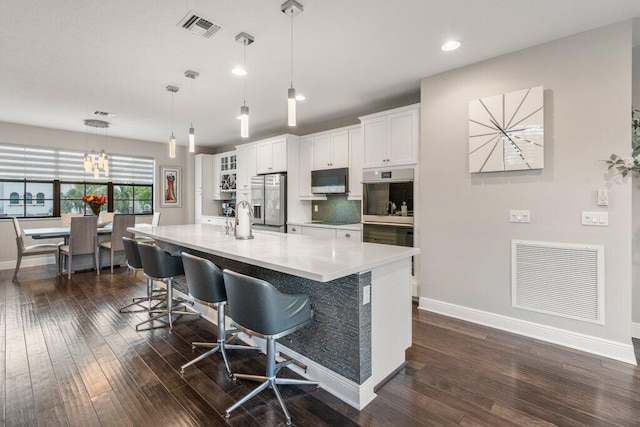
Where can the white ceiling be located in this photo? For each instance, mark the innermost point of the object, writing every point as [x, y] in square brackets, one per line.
[62, 59]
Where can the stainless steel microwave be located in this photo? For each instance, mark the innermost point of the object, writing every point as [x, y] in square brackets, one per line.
[330, 181]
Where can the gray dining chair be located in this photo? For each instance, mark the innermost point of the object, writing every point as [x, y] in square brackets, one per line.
[119, 230]
[83, 239]
[30, 250]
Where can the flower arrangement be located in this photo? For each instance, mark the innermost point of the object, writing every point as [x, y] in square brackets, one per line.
[624, 165]
[95, 202]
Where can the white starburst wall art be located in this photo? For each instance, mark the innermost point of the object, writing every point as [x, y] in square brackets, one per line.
[506, 132]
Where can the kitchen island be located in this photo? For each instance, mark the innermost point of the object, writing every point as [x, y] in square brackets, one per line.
[361, 293]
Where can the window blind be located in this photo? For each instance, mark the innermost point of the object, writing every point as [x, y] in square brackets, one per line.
[34, 163]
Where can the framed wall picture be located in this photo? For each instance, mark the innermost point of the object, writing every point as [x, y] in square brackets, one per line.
[171, 187]
[506, 132]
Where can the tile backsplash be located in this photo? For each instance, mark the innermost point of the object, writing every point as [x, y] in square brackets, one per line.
[337, 208]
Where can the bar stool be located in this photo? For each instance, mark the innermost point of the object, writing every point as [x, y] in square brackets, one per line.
[206, 285]
[134, 263]
[160, 265]
[257, 308]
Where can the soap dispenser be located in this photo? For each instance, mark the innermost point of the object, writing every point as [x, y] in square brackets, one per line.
[403, 209]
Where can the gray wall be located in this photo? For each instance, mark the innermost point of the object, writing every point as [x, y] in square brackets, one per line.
[466, 235]
[11, 133]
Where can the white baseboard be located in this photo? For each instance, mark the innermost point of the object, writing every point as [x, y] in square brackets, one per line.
[29, 261]
[602, 347]
[635, 330]
[356, 395]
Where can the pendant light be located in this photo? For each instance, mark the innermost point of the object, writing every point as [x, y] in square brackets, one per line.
[192, 133]
[172, 140]
[291, 8]
[95, 162]
[246, 40]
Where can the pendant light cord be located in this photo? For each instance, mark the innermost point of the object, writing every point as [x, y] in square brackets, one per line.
[192, 79]
[244, 65]
[172, 113]
[292, 48]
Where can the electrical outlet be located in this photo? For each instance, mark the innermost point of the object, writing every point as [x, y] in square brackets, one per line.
[315, 208]
[366, 295]
[520, 216]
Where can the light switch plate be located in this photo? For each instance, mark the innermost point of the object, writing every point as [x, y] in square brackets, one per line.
[595, 219]
[366, 295]
[519, 216]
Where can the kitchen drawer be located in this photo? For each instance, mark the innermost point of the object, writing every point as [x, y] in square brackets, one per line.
[294, 229]
[207, 220]
[323, 233]
[349, 234]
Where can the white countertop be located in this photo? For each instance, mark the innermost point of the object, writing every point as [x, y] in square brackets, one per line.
[353, 227]
[305, 256]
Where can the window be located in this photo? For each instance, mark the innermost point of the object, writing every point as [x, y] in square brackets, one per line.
[58, 180]
[20, 207]
[14, 198]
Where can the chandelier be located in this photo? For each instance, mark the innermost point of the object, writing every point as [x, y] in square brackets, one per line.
[97, 161]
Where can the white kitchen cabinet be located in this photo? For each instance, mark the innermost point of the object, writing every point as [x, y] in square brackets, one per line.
[271, 156]
[246, 168]
[216, 179]
[331, 150]
[349, 235]
[203, 179]
[391, 138]
[305, 163]
[356, 160]
[294, 229]
[321, 233]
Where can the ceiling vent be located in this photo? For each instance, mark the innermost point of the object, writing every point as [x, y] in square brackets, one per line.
[197, 25]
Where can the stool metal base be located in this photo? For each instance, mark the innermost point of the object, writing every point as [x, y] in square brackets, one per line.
[270, 380]
[172, 308]
[221, 345]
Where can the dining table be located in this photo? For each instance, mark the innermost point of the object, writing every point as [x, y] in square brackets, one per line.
[57, 232]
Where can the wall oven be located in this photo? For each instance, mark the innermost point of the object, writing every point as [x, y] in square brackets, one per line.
[387, 197]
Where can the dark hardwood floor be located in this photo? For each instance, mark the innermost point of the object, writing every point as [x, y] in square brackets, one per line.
[67, 357]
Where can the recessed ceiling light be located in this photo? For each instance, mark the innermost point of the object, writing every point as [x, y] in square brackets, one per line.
[450, 45]
[239, 71]
[300, 97]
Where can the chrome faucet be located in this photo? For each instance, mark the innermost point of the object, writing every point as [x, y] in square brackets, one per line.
[227, 224]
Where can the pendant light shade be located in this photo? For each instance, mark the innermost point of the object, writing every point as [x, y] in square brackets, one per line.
[172, 146]
[190, 74]
[172, 139]
[291, 8]
[192, 139]
[291, 107]
[246, 40]
[244, 121]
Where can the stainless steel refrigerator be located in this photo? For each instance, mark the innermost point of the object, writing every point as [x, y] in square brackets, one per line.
[269, 197]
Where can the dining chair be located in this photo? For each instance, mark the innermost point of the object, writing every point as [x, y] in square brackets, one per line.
[31, 250]
[105, 217]
[154, 223]
[83, 239]
[65, 218]
[119, 230]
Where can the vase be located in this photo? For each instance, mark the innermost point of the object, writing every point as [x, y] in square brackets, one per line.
[95, 208]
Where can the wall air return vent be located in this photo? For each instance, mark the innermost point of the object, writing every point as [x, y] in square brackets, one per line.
[561, 279]
[197, 25]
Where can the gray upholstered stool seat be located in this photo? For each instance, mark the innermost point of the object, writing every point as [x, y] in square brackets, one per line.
[259, 309]
[160, 265]
[134, 263]
[206, 285]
